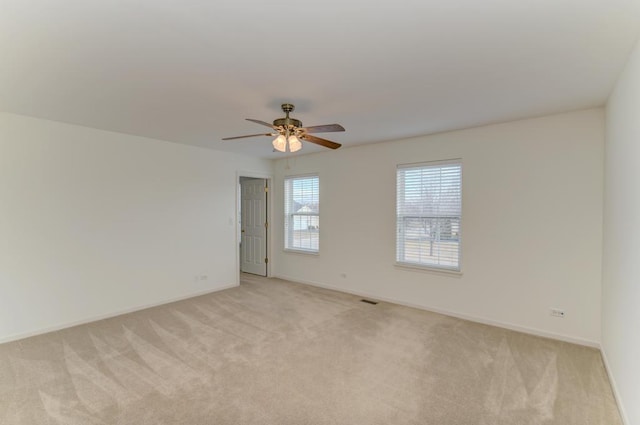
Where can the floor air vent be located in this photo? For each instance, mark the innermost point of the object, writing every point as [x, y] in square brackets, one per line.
[369, 302]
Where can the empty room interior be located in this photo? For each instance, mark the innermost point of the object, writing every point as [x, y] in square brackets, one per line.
[413, 212]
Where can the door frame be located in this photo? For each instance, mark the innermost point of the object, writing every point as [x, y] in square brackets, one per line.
[269, 210]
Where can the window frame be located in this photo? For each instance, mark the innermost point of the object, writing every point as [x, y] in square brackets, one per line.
[439, 268]
[288, 235]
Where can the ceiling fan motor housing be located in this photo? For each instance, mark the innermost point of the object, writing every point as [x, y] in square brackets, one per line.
[287, 122]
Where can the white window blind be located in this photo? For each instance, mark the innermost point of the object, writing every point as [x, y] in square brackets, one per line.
[302, 213]
[429, 212]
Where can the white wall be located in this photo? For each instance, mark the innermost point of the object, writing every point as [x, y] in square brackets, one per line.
[621, 259]
[93, 223]
[532, 223]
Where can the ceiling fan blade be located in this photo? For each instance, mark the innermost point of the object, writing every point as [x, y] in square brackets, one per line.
[260, 122]
[250, 135]
[319, 141]
[327, 128]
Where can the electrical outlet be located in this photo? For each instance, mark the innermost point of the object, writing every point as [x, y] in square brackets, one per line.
[204, 277]
[556, 312]
[343, 275]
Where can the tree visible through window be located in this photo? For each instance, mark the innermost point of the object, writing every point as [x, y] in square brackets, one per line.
[302, 213]
[429, 212]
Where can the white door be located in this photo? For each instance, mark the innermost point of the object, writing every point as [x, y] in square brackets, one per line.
[253, 240]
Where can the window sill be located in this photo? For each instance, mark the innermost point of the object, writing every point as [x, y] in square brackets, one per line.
[300, 251]
[427, 269]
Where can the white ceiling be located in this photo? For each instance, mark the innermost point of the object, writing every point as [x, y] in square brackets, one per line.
[190, 71]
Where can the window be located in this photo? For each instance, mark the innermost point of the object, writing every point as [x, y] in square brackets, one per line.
[302, 213]
[429, 210]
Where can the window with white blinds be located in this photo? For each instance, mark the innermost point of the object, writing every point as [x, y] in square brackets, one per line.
[302, 213]
[429, 212]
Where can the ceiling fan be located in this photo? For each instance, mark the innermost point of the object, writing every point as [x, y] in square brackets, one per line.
[289, 132]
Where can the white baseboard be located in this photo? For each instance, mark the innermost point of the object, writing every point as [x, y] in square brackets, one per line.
[505, 325]
[614, 388]
[71, 324]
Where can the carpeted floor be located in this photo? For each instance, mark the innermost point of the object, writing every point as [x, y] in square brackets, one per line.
[276, 352]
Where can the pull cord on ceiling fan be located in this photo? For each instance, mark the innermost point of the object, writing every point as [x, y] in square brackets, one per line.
[289, 132]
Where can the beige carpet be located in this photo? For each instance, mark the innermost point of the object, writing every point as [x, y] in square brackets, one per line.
[275, 352]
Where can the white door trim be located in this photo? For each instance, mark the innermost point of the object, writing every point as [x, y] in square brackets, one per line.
[269, 179]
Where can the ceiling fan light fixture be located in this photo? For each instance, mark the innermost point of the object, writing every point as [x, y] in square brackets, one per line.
[294, 144]
[280, 143]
